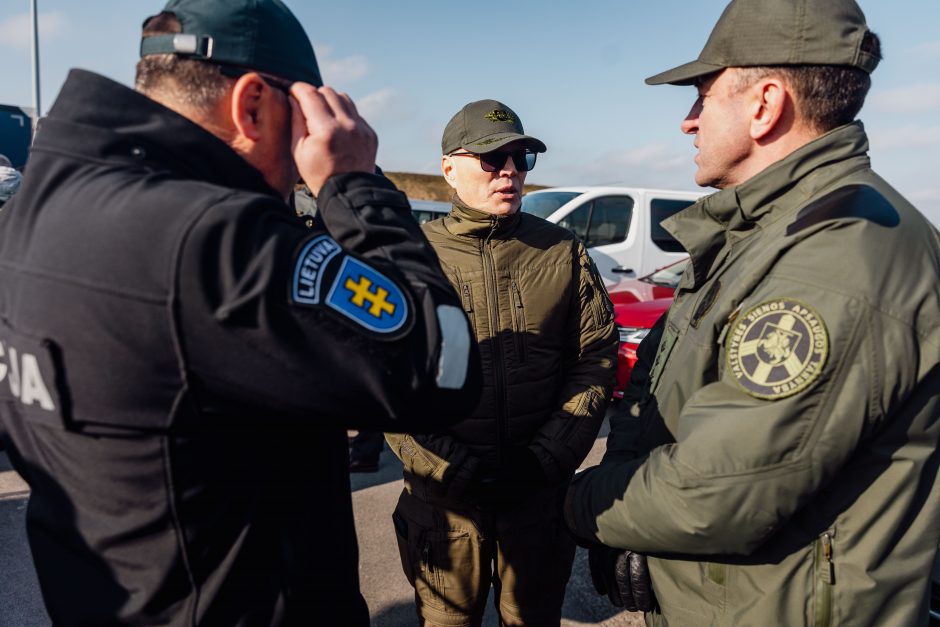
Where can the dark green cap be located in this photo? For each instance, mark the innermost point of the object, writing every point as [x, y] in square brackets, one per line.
[780, 32]
[485, 126]
[261, 35]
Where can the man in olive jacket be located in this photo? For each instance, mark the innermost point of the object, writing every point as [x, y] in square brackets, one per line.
[479, 502]
[787, 474]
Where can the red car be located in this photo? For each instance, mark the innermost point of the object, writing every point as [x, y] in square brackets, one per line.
[638, 304]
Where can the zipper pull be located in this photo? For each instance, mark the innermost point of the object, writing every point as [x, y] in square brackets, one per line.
[426, 556]
[517, 296]
[493, 226]
[828, 569]
[467, 298]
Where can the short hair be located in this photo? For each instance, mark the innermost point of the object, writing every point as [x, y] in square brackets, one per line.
[5, 161]
[187, 81]
[826, 96]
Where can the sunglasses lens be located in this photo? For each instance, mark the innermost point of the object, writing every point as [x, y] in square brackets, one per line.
[529, 161]
[493, 161]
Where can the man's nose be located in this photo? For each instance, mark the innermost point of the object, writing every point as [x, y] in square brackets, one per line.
[509, 166]
[689, 125]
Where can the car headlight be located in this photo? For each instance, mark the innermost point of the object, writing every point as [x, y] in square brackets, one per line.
[632, 335]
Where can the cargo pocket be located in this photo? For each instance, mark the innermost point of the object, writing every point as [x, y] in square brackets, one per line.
[452, 571]
[417, 560]
[404, 547]
[443, 565]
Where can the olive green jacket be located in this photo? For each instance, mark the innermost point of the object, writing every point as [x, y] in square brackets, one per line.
[544, 324]
[787, 474]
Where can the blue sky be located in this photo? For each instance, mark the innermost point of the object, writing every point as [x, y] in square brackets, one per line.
[573, 71]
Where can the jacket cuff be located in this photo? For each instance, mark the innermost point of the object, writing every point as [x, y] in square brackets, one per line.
[570, 518]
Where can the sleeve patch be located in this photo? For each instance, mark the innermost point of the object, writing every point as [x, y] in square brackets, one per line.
[367, 297]
[777, 349]
[315, 256]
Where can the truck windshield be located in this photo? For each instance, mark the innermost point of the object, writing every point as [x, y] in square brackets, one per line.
[668, 276]
[544, 204]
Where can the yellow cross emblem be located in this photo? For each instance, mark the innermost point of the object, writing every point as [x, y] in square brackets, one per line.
[362, 293]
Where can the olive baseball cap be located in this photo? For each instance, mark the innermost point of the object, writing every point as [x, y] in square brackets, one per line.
[484, 126]
[261, 35]
[780, 32]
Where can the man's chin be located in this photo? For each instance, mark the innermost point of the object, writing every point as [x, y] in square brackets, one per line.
[505, 209]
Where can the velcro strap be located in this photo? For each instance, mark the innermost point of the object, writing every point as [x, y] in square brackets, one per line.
[198, 46]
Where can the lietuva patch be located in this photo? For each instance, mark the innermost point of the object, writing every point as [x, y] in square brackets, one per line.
[777, 349]
[368, 297]
[310, 267]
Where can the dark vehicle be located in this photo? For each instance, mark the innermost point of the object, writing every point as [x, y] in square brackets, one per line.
[427, 210]
[16, 134]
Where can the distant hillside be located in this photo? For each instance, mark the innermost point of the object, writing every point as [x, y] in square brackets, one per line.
[430, 186]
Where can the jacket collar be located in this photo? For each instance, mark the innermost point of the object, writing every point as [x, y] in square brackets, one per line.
[99, 119]
[708, 228]
[470, 222]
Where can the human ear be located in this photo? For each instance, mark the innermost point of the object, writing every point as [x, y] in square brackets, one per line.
[767, 107]
[447, 168]
[247, 106]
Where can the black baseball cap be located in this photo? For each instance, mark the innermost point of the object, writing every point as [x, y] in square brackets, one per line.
[484, 126]
[780, 32]
[261, 35]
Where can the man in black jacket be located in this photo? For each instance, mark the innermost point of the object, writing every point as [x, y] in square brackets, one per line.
[180, 356]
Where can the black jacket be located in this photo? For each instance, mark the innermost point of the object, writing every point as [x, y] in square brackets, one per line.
[182, 357]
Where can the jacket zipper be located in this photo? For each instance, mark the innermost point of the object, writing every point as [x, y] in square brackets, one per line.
[824, 580]
[489, 275]
[518, 316]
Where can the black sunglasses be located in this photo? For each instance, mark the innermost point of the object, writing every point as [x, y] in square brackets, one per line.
[523, 159]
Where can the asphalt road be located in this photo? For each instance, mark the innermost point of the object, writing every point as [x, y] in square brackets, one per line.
[384, 586]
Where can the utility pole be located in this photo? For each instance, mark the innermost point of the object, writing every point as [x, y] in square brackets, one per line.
[34, 15]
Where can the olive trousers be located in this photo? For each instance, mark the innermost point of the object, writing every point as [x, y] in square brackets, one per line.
[453, 552]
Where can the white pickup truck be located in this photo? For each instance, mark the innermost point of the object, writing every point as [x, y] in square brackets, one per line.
[619, 225]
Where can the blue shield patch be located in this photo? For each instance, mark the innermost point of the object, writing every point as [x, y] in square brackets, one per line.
[368, 297]
[309, 269]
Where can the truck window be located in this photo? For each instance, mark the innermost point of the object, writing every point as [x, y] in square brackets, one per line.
[610, 221]
[545, 204]
[604, 220]
[660, 209]
[577, 221]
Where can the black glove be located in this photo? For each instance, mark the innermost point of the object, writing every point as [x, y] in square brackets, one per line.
[519, 474]
[623, 576]
[520, 465]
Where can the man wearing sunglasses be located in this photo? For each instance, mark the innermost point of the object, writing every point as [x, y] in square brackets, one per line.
[479, 501]
[181, 355]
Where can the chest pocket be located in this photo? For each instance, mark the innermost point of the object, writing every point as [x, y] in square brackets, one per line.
[466, 297]
[518, 320]
[29, 377]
